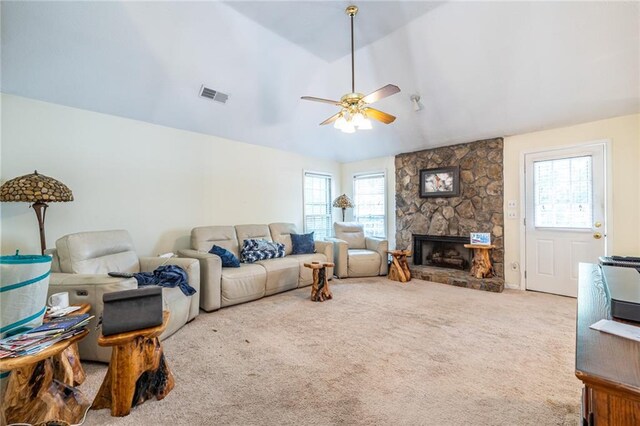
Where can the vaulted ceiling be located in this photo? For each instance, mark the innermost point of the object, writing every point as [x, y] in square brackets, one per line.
[482, 69]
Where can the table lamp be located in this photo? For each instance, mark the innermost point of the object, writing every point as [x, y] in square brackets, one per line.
[344, 203]
[39, 190]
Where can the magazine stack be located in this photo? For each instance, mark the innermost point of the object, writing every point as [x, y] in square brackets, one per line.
[39, 338]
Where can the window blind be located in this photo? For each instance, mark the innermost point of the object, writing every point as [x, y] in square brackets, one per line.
[317, 204]
[369, 199]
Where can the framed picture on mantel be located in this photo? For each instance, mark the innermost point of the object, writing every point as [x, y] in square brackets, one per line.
[442, 182]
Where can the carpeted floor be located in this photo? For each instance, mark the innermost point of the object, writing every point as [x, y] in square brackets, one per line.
[380, 353]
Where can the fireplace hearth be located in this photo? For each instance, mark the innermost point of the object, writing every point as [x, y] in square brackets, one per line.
[441, 251]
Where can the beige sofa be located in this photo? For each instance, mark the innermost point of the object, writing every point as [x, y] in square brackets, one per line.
[356, 255]
[222, 287]
[80, 265]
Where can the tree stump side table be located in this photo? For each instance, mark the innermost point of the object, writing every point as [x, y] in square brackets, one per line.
[137, 370]
[34, 396]
[320, 288]
[399, 270]
[66, 364]
[481, 266]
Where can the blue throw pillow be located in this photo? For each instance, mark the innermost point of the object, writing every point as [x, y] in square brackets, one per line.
[303, 243]
[229, 260]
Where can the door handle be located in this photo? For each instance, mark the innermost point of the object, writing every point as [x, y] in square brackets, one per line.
[597, 224]
[597, 235]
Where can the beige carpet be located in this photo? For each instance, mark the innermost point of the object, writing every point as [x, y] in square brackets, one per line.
[379, 353]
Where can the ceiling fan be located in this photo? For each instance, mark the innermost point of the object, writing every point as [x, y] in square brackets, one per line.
[354, 107]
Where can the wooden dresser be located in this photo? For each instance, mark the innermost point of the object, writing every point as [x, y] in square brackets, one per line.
[609, 366]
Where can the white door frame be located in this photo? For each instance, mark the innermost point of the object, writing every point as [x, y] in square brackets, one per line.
[606, 143]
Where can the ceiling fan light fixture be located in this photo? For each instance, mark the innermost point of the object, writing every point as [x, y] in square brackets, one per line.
[348, 127]
[358, 118]
[365, 124]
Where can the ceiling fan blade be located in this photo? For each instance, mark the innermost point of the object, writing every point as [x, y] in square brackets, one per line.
[326, 101]
[381, 93]
[379, 115]
[330, 119]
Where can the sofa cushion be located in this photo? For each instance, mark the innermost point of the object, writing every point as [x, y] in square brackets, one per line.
[256, 232]
[204, 237]
[242, 284]
[352, 233]
[363, 263]
[303, 243]
[282, 274]
[229, 260]
[254, 250]
[97, 252]
[281, 233]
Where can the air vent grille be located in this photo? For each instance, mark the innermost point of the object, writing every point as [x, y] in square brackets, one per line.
[214, 95]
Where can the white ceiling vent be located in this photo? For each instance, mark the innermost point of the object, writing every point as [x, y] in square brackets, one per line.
[214, 95]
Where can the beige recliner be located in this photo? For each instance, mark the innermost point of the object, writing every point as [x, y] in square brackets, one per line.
[80, 265]
[356, 255]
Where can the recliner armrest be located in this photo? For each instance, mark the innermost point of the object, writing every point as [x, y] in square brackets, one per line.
[210, 277]
[190, 266]
[381, 246]
[340, 255]
[326, 248]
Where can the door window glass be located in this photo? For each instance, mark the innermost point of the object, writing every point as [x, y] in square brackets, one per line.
[563, 194]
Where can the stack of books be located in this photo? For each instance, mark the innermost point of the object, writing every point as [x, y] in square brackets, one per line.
[39, 338]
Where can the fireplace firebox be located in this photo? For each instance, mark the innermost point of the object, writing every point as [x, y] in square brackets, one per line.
[441, 251]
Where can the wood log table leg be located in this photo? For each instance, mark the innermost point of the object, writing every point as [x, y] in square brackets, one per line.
[67, 366]
[320, 288]
[137, 372]
[481, 266]
[34, 396]
[399, 270]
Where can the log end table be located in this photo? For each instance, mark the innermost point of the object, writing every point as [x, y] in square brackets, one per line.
[481, 266]
[137, 371]
[320, 288]
[399, 270]
[33, 395]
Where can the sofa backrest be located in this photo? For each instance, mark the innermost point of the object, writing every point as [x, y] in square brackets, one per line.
[281, 233]
[259, 232]
[204, 237]
[97, 252]
[352, 233]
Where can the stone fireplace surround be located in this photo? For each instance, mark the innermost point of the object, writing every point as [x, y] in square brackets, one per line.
[478, 208]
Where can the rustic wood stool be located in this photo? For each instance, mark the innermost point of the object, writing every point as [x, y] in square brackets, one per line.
[33, 396]
[137, 370]
[320, 289]
[66, 364]
[481, 266]
[399, 270]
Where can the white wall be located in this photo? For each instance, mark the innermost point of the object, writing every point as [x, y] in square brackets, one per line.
[386, 164]
[624, 136]
[154, 181]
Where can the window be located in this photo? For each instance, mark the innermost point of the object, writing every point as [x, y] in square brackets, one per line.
[562, 191]
[369, 196]
[317, 204]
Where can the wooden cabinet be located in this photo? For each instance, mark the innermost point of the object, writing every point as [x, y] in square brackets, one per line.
[609, 366]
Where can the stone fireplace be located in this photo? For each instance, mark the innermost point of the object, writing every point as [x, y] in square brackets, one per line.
[441, 251]
[478, 207]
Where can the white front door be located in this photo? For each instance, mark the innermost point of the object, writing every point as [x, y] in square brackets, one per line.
[565, 223]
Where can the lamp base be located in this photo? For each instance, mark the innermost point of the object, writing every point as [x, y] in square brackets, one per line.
[41, 209]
